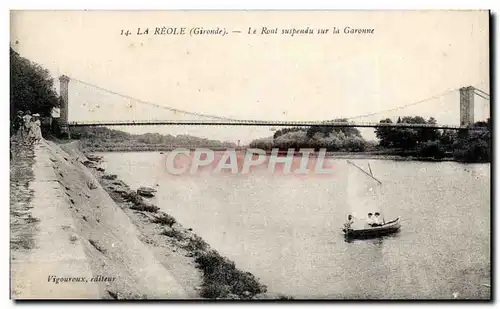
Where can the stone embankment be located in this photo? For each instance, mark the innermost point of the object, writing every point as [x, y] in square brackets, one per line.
[79, 233]
[183, 252]
[69, 238]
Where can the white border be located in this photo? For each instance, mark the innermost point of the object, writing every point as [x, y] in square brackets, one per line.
[189, 4]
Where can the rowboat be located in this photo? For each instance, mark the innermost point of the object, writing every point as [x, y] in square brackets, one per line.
[146, 191]
[373, 231]
[367, 204]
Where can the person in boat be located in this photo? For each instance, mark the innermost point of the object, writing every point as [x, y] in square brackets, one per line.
[350, 221]
[377, 220]
[370, 221]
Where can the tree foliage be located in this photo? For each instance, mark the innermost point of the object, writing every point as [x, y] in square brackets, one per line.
[31, 87]
[316, 137]
[102, 137]
[407, 138]
[474, 146]
[464, 145]
[327, 130]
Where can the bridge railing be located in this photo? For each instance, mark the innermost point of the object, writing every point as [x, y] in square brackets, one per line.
[269, 123]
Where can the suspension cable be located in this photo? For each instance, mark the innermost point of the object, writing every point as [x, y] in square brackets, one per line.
[231, 119]
[405, 106]
[152, 104]
[482, 96]
[484, 93]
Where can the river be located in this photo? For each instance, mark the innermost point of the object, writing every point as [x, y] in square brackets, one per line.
[286, 229]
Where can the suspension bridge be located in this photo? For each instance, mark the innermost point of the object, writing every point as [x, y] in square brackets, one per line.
[275, 123]
[466, 100]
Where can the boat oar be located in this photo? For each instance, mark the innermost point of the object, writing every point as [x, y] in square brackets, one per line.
[371, 176]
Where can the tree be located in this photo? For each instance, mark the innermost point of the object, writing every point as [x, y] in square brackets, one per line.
[476, 146]
[355, 143]
[262, 143]
[322, 130]
[286, 130]
[386, 134]
[31, 87]
[473, 150]
[430, 149]
[429, 134]
[326, 130]
[295, 140]
[407, 138]
[448, 138]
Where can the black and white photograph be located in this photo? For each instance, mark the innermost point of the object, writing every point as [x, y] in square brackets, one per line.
[250, 155]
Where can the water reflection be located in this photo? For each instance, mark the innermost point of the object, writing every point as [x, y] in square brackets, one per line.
[377, 241]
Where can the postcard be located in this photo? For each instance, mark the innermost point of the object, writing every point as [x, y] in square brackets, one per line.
[250, 155]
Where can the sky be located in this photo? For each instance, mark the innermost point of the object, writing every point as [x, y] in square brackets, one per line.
[411, 56]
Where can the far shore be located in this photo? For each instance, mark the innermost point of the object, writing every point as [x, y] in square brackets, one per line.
[373, 155]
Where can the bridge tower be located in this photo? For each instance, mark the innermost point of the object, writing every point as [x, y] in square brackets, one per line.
[63, 120]
[467, 106]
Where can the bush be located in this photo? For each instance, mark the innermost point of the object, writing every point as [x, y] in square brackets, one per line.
[110, 177]
[138, 202]
[214, 291]
[165, 219]
[432, 149]
[197, 244]
[219, 273]
[145, 207]
[173, 234]
[475, 151]
[355, 144]
[133, 197]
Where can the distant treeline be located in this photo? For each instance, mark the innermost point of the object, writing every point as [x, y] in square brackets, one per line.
[105, 139]
[466, 146]
[331, 138]
[463, 145]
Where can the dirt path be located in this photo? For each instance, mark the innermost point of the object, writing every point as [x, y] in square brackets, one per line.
[65, 225]
[41, 243]
[22, 225]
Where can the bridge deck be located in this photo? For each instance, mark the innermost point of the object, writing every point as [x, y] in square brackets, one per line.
[267, 123]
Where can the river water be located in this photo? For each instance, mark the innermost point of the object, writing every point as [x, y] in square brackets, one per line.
[286, 230]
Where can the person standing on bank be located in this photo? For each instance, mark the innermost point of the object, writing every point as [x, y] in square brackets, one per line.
[36, 129]
[26, 128]
[17, 126]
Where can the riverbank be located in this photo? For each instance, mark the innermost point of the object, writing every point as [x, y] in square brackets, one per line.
[69, 219]
[199, 268]
[372, 155]
[69, 239]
